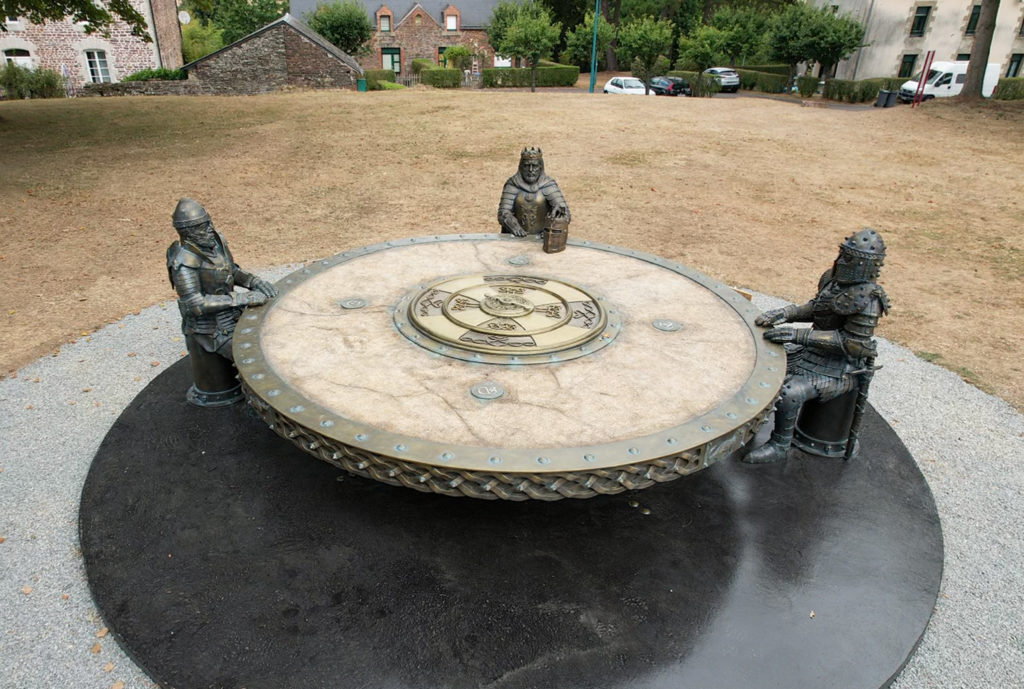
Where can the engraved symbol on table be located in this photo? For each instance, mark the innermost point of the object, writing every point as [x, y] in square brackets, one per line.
[487, 391]
[508, 302]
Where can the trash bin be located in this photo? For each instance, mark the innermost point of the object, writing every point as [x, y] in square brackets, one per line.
[893, 99]
[883, 98]
[361, 85]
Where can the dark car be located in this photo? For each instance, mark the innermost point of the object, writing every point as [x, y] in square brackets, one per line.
[670, 86]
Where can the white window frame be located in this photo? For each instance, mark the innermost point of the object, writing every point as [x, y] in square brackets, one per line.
[451, 22]
[385, 18]
[102, 70]
[20, 60]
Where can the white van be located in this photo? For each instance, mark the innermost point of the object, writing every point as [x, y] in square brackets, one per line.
[947, 79]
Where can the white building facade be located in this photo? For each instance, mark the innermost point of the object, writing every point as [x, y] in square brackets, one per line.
[901, 32]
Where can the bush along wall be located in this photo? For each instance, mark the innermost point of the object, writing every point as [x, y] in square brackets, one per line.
[375, 76]
[22, 82]
[497, 77]
[421, 63]
[770, 69]
[767, 82]
[441, 78]
[1010, 88]
[161, 73]
[807, 85]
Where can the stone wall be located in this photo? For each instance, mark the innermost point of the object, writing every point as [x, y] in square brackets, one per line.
[277, 57]
[62, 44]
[154, 87]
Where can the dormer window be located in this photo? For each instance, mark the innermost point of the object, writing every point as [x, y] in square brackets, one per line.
[385, 23]
[451, 22]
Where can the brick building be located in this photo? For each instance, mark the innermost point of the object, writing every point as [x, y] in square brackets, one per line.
[64, 47]
[285, 52]
[405, 30]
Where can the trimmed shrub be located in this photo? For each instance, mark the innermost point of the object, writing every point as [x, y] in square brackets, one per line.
[22, 82]
[441, 78]
[767, 82]
[1009, 88]
[839, 89]
[421, 63]
[389, 86]
[161, 73]
[770, 69]
[562, 75]
[807, 85]
[702, 85]
[375, 76]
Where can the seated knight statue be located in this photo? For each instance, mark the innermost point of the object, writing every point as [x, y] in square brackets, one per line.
[530, 197]
[836, 355]
[204, 274]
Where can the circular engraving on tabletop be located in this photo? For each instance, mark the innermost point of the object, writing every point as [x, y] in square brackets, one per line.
[353, 303]
[667, 325]
[512, 319]
[487, 391]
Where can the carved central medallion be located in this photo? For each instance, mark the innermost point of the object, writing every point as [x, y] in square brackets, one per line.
[506, 319]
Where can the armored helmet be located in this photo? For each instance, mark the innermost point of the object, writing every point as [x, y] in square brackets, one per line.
[189, 213]
[861, 256]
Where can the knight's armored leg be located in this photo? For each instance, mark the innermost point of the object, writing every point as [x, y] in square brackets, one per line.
[795, 391]
[215, 382]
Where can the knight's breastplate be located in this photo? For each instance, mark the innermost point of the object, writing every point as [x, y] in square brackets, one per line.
[216, 276]
[820, 361]
[824, 313]
[531, 210]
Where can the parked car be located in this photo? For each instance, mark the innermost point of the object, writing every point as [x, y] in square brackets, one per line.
[726, 77]
[627, 85]
[670, 86]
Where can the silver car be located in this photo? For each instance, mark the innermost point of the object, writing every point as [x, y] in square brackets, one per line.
[727, 78]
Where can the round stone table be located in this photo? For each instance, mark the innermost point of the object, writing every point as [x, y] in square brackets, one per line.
[479, 365]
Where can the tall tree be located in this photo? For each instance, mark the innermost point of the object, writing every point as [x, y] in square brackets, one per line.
[832, 38]
[975, 79]
[530, 35]
[239, 18]
[789, 35]
[744, 31]
[579, 41]
[703, 48]
[98, 17]
[642, 42]
[344, 24]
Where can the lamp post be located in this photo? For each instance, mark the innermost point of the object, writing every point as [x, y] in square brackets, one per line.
[593, 45]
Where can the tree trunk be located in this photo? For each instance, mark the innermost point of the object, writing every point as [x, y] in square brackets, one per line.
[975, 78]
[533, 76]
[612, 11]
[708, 13]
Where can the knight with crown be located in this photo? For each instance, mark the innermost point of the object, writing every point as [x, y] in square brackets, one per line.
[531, 200]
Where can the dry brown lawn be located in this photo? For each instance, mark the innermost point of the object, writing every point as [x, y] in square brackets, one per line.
[753, 191]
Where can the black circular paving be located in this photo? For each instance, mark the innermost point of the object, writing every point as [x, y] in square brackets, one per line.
[222, 556]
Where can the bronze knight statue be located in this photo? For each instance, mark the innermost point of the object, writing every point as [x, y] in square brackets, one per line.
[831, 362]
[530, 199]
[204, 275]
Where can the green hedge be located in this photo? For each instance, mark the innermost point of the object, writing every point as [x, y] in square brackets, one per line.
[161, 73]
[441, 78]
[1010, 88]
[768, 82]
[389, 86]
[421, 63]
[860, 91]
[770, 69]
[22, 82]
[497, 77]
[807, 85]
[375, 76]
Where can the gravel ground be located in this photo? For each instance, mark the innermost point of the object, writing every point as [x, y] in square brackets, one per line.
[55, 412]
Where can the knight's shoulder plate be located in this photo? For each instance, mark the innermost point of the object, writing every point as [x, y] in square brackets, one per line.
[179, 256]
[859, 298]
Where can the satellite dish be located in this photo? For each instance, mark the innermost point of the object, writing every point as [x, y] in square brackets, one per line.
[184, 17]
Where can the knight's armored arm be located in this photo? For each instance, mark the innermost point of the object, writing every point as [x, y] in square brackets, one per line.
[556, 201]
[787, 314]
[506, 215]
[854, 339]
[252, 282]
[190, 295]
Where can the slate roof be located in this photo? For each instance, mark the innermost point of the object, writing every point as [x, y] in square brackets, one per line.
[299, 26]
[475, 13]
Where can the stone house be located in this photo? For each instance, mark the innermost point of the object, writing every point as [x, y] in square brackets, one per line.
[900, 32]
[406, 30]
[285, 52]
[82, 58]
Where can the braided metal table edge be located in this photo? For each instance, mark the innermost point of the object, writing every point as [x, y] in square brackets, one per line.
[504, 485]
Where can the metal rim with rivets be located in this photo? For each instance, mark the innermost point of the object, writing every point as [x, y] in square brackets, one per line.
[515, 473]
